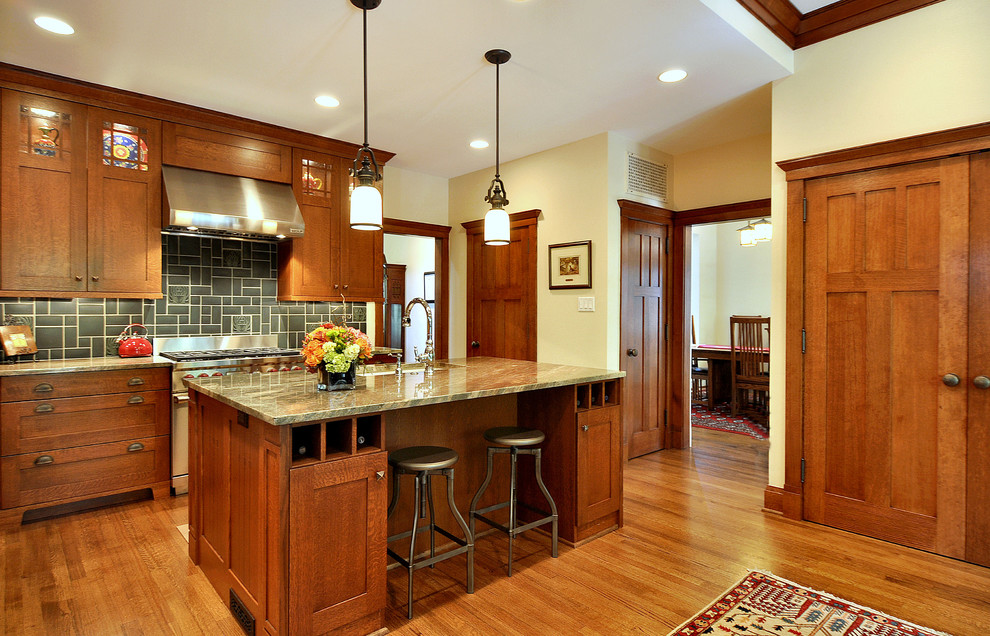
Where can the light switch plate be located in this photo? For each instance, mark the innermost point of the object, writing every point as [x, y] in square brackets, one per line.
[586, 303]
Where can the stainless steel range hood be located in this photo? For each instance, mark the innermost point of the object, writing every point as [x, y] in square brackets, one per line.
[235, 207]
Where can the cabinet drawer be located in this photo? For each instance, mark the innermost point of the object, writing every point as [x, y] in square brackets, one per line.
[202, 149]
[37, 425]
[87, 470]
[59, 385]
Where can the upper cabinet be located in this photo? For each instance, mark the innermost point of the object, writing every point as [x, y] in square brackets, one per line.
[213, 151]
[331, 259]
[81, 200]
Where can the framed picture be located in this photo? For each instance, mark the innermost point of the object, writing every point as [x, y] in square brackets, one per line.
[429, 286]
[570, 265]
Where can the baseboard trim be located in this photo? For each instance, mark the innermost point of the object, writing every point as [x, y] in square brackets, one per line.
[773, 500]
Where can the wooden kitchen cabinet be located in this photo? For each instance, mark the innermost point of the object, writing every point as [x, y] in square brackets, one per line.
[226, 153]
[80, 210]
[69, 437]
[331, 259]
[599, 444]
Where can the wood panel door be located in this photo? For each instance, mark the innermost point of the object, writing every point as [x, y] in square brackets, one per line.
[886, 317]
[501, 304]
[124, 205]
[644, 347]
[43, 198]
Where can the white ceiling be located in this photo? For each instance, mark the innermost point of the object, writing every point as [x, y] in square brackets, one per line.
[578, 68]
[807, 6]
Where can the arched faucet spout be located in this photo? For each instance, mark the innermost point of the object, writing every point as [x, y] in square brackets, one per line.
[428, 354]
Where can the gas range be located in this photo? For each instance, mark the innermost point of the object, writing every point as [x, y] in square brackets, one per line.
[205, 356]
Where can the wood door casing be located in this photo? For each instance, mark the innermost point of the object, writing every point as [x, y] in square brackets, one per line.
[885, 314]
[501, 302]
[643, 347]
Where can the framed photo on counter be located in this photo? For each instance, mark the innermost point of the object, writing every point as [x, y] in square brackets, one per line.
[570, 265]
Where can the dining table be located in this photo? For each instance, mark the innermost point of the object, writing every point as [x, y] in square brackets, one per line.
[719, 359]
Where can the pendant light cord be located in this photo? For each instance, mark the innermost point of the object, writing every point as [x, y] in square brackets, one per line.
[365, 45]
[497, 103]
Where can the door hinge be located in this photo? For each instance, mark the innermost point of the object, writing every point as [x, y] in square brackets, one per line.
[804, 205]
[666, 331]
[666, 245]
[802, 469]
[804, 340]
[665, 418]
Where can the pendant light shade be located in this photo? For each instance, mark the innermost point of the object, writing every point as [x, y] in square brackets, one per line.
[497, 219]
[366, 200]
[764, 230]
[747, 235]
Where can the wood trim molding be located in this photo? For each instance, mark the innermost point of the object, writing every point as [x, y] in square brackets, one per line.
[922, 147]
[441, 257]
[796, 29]
[59, 87]
[629, 209]
[517, 219]
[730, 212]
[773, 499]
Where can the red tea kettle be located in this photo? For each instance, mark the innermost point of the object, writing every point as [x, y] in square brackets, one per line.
[132, 345]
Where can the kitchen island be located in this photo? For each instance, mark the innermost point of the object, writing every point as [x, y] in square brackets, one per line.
[288, 486]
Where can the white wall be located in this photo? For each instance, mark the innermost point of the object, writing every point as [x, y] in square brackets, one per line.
[923, 71]
[417, 253]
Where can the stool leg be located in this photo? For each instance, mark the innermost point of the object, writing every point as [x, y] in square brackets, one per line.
[512, 505]
[395, 493]
[412, 540]
[484, 485]
[468, 535]
[538, 453]
[433, 525]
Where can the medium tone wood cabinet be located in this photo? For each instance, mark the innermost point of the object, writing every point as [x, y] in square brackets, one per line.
[80, 210]
[69, 437]
[331, 260]
[226, 153]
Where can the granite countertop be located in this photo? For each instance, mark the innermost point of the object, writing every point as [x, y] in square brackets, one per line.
[291, 397]
[81, 364]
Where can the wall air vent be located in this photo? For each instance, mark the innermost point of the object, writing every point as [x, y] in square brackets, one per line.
[241, 613]
[646, 178]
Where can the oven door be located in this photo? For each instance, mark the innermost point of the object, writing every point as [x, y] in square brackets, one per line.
[180, 443]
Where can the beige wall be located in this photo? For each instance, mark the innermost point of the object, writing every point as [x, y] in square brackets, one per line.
[414, 196]
[924, 71]
[727, 173]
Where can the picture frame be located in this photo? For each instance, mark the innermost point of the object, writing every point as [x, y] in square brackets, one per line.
[430, 286]
[570, 265]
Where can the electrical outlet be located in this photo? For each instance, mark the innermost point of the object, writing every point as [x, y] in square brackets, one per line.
[586, 303]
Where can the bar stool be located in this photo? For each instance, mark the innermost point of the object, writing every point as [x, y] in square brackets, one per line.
[513, 437]
[424, 462]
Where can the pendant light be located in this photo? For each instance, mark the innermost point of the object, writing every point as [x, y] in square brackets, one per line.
[366, 200]
[764, 230]
[747, 235]
[497, 219]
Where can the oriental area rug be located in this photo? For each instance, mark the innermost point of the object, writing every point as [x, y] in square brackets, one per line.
[720, 419]
[765, 604]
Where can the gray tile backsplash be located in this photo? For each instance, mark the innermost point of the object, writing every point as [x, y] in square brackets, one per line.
[212, 286]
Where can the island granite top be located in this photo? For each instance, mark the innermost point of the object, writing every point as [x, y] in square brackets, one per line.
[292, 398]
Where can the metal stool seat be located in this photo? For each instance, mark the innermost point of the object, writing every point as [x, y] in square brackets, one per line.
[513, 437]
[424, 462]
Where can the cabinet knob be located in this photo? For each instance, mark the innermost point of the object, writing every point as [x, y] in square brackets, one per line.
[79, 277]
[44, 459]
[136, 446]
[475, 344]
[950, 379]
[345, 286]
[96, 278]
[336, 286]
[380, 475]
[981, 382]
[584, 427]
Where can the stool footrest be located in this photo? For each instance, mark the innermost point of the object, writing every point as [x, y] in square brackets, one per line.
[420, 563]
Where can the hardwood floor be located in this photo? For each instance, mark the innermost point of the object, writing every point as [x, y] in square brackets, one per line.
[693, 526]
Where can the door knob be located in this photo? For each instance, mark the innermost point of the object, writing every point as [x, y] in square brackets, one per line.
[950, 379]
[981, 382]
[632, 353]
[475, 344]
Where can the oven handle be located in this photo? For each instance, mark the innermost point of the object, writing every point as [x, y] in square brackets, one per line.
[179, 398]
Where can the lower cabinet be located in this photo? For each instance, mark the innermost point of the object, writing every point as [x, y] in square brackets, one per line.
[598, 475]
[338, 511]
[66, 437]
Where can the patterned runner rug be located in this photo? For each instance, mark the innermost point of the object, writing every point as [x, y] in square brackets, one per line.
[721, 420]
[765, 604]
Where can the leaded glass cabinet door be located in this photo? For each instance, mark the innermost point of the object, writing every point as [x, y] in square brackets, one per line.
[125, 220]
[43, 198]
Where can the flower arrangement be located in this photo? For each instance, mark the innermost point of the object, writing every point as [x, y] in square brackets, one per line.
[334, 347]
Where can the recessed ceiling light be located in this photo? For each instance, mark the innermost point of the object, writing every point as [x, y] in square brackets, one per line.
[673, 75]
[54, 25]
[329, 102]
[479, 143]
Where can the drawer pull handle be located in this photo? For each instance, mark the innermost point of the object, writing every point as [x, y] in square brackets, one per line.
[44, 408]
[137, 399]
[136, 446]
[44, 459]
[44, 387]
[135, 382]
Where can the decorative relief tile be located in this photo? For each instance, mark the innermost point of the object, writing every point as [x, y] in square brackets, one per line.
[178, 294]
[241, 324]
[231, 258]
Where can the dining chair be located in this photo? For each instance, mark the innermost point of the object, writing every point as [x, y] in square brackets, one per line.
[701, 392]
[750, 364]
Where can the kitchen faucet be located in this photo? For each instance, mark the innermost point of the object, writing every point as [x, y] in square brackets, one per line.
[428, 353]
